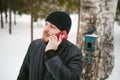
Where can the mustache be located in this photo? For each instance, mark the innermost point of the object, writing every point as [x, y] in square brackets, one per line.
[45, 34]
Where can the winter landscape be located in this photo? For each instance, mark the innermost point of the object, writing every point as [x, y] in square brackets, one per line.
[14, 47]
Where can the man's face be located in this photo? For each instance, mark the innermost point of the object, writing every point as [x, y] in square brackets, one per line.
[49, 30]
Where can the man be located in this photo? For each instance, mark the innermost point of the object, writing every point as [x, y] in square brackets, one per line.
[52, 58]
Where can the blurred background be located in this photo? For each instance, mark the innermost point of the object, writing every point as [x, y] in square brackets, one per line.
[22, 21]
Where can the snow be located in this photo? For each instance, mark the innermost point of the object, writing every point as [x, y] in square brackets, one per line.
[14, 47]
[115, 75]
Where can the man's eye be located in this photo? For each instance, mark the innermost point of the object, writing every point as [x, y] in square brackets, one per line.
[52, 27]
[46, 24]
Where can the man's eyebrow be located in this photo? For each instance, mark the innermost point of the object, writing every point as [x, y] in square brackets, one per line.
[53, 25]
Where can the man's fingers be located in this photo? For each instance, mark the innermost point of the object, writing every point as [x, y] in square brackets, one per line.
[55, 37]
[60, 39]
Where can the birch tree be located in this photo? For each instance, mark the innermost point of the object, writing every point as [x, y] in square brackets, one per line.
[102, 14]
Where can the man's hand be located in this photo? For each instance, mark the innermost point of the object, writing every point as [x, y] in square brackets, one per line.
[53, 43]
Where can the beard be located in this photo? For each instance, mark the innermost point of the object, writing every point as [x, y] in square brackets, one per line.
[45, 39]
[45, 36]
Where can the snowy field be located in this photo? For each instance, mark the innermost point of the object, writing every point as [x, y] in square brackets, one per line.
[14, 47]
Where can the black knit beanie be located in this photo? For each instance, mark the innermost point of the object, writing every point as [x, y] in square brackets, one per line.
[60, 19]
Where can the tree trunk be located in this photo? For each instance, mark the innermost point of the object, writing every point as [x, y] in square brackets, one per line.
[14, 18]
[6, 16]
[77, 40]
[1, 20]
[10, 23]
[31, 9]
[102, 14]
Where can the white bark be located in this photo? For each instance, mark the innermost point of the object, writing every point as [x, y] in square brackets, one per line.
[104, 12]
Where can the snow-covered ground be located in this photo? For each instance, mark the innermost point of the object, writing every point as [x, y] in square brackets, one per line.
[115, 75]
[14, 47]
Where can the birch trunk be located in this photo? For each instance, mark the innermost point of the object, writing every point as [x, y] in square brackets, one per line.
[101, 12]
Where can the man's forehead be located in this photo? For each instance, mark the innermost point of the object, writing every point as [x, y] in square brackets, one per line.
[47, 22]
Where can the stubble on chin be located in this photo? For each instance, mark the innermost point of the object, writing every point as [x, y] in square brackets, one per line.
[44, 39]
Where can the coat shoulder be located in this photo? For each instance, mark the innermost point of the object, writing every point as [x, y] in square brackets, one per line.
[72, 46]
[37, 41]
[72, 49]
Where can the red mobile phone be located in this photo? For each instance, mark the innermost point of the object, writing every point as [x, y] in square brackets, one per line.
[63, 35]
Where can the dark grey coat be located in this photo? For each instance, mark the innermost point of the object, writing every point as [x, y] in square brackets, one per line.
[65, 65]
